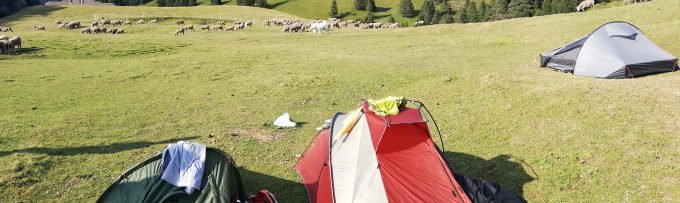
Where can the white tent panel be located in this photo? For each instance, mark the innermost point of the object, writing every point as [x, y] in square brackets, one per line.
[356, 177]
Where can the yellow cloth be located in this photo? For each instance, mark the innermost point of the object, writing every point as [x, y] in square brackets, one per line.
[349, 122]
[386, 106]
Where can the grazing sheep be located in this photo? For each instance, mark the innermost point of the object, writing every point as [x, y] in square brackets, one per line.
[127, 22]
[105, 22]
[220, 22]
[58, 22]
[218, 27]
[320, 28]
[342, 24]
[205, 27]
[189, 27]
[419, 23]
[15, 42]
[230, 28]
[111, 31]
[39, 28]
[364, 26]
[179, 22]
[394, 25]
[385, 25]
[6, 29]
[120, 31]
[249, 23]
[116, 22]
[154, 21]
[585, 4]
[140, 21]
[86, 31]
[4, 47]
[178, 31]
[238, 22]
[95, 23]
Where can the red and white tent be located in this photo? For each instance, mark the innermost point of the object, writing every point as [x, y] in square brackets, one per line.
[379, 159]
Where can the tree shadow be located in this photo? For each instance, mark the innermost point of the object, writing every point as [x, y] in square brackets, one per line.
[284, 190]
[28, 50]
[277, 4]
[97, 149]
[382, 16]
[502, 169]
[382, 9]
[344, 15]
[29, 12]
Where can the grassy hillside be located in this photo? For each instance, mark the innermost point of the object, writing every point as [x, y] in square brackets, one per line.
[78, 110]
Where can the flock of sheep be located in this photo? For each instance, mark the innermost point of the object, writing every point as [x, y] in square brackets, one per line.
[319, 26]
[9, 45]
[219, 25]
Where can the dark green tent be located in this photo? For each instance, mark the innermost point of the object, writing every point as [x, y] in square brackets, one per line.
[142, 183]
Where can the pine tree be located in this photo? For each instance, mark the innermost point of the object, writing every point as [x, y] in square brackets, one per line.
[443, 12]
[360, 4]
[369, 18]
[471, 11]
[520, 8]
[427, 12]
[499, 10]
[261, 3]
[546, 7]
[334, 10]
[370, 5]
[483, 12]
[248, 2]
[391, 19]
[406, 9]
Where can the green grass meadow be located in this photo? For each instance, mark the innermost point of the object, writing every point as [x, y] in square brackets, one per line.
[78, 110]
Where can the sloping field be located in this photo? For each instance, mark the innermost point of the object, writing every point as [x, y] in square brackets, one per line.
[78, 110]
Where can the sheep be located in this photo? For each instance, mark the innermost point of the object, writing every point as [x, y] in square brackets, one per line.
[585, 4]
[220, 22]
[3, 37]
[111, 31]
[230, 28]
[189, 27]
[286, 28]
[116, 22]
[218, 27]
[364, 26]
[155, 21]
[419, 23]
[4, 47]
[625, 2]
[385, 25]
[178, 31]
[105, 22]
[342, 24]
[15, 42]
[103, 30]
[205, 27]
[39, 28]
[95, 23]
[179, 22]
[394, 25]
[320, 28]
[335, 24]
[140, 21]
[120, 31]
[238, 22]
[127, 22]
[249, 23]
[6, 29]
[86, 31]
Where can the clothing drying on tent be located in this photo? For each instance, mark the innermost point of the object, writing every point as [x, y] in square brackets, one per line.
[614, 50]
[220, 182]
[365, 157]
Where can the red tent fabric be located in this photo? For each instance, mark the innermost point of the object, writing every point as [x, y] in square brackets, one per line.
[382, 159]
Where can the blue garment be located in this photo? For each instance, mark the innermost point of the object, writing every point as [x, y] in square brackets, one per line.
[183, 165]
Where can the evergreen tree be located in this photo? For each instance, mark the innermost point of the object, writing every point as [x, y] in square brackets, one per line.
[334, 10]
[261, 3]
[241, 2]
[427, 12]
[360, 4]
[248, 2]
[391, 19]
[471, 11]
[406, 9]
[499, 9]
[370, 5]
[520, 8]
[444, 11]
[483, 12]
[546, 7]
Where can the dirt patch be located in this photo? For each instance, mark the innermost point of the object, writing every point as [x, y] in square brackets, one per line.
[260, 135]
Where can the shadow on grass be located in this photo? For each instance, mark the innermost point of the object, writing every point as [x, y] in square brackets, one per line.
[284, 190]
[502, 169]
[382, 9]
[97, 149]
[344, 15]
[29, 12]
[277, 4]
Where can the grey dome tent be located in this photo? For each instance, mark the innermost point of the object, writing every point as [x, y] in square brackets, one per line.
[614, 50]
[142, 183]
